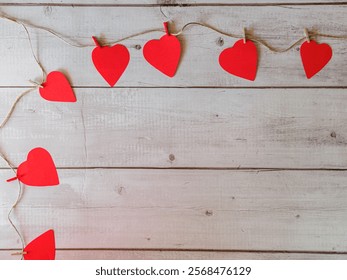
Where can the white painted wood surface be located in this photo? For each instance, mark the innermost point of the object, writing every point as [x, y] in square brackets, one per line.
[165, 2]
[186, 209]
[177, 255]
[127, 208]
[224, 128]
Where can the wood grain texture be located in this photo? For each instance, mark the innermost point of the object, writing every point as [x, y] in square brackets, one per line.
[171, 128]
[279, 25]
[177, 255]
[112, 203]
[166, 2]
[184, 209]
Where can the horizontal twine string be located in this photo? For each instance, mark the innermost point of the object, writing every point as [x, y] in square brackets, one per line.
[249, 37]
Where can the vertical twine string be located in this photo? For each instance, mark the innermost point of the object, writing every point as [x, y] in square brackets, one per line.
[19, 97]
[19, 196]
[44, 74]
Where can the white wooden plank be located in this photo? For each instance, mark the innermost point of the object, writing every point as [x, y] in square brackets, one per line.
[293, 128]
[184, 209]
[177, 255]
[164, 2]
[279, 25]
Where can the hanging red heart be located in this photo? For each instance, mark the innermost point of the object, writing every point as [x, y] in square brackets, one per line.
[240, 60]
[57, 88]
[110, 62]
[163, 54]
[39, 170]
[41, 248]
[314, 57]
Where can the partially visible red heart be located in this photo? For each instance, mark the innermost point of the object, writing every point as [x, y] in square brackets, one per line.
[110, 62]
[314, 57]
[57, 88]
[38, 170]
[163, 54]
[41, 248]
[240, 60]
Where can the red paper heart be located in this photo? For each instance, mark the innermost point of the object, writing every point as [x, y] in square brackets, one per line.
[110, 62]
[57, 88]
[240, 60]
[314, 57]
[41, 248]
[39, 170]
[163, 54]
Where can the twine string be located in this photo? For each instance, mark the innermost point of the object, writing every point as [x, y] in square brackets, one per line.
[19, 197]
[329, 35]
[19, 97]
[250, 37]
[34, 55]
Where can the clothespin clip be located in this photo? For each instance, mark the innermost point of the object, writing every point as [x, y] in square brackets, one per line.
[244, 35]
[307, 35]
[166, 27]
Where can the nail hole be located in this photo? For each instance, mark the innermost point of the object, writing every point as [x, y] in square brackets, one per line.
[209, 213]
[171, 157]
[138, 47]
[220, 41]
[333, 134]
[121, 190]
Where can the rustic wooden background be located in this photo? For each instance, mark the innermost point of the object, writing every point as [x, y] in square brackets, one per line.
[203, 165]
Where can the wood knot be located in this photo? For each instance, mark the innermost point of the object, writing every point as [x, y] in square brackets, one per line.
[209, 213]
[220, 41]
[121, 190]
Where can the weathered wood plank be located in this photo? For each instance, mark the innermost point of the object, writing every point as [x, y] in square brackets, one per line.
[184, 209]
[280, 26]
[165, 2]
[177, 255]
[226, 128]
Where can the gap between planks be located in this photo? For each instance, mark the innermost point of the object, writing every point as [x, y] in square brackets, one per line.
[177, 5]
[254, 169]
[191, 87]
[196, 250]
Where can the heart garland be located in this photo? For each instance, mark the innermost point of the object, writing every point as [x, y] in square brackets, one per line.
[242, 58]
[38, 170]
[110, 62]
[164, 54]
[41, 248]
[57, 88]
